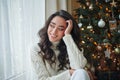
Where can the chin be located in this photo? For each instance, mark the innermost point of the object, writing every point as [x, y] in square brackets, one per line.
[52, 40]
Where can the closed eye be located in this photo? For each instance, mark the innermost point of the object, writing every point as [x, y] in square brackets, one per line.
[52, 26]
[61, 28]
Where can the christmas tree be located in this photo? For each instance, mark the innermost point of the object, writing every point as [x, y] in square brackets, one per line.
[99, 22]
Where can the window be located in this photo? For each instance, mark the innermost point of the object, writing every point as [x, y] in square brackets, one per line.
[20, 21]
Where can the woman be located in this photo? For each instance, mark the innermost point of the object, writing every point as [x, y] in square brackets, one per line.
[58, 55]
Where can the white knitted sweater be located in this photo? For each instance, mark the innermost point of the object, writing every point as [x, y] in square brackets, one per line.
[77, 61]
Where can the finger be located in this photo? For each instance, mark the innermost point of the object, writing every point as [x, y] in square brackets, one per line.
[69, 22]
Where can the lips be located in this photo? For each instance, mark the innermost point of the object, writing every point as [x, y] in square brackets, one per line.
[53, 36]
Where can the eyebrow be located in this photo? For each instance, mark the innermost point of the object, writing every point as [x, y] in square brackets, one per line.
[53, 23]
[59, 25]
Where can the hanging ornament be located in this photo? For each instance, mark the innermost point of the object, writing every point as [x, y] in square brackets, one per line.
[113, 24]
[118, 31]
[81, 6]
[91, 7]
[88, 3]
[82, 29]
[117, 50]
[107, 9]
[89, 26]
[105, 41]
[81, 16]
[99, 47]
[80, 24]
[113, 4]
[101, 23]
[108, 52]
[107, 15]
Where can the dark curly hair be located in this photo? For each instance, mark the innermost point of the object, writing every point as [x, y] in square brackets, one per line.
[44, 44]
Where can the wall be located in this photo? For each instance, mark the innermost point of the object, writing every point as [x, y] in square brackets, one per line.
[54, 5]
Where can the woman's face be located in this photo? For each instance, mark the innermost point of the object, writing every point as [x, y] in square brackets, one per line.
[56, 29]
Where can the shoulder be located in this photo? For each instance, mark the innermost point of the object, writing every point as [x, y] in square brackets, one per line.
[34, 51]
[35, 48]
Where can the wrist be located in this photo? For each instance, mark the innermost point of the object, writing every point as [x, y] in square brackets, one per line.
[71, 71]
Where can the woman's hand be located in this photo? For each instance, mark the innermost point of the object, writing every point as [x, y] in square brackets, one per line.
[71, 71]
[69, 27]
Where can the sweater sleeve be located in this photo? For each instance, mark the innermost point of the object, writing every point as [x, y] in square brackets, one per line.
[77, 60]
[40, 68]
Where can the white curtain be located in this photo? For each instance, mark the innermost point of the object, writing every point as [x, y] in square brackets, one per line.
[20, 21]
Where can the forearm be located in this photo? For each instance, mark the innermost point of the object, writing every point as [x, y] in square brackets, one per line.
[77, 60]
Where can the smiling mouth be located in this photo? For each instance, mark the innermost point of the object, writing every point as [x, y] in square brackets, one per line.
[53, 36]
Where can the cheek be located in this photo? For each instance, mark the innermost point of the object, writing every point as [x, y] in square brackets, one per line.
[48, 30]
[61, 34]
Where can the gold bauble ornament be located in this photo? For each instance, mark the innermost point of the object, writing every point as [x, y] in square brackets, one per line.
[99, 48]
[117, 50]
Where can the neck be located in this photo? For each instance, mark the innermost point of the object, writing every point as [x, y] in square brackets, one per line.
[55, 44]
